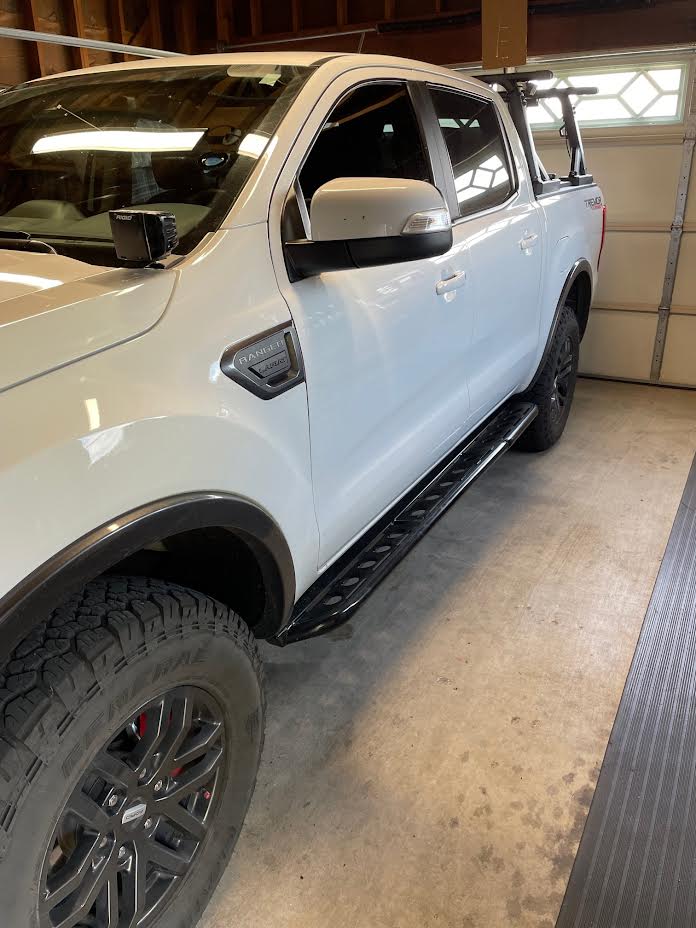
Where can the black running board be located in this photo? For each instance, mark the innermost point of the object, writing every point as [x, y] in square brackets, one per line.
[349, 581]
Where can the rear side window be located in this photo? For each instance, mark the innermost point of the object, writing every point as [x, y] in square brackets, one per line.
[373, 132]
[474, 139]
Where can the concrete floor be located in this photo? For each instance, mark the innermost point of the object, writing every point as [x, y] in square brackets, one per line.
[432, 762]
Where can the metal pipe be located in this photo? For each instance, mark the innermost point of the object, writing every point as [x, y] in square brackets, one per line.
[673, 249]
[52, 38]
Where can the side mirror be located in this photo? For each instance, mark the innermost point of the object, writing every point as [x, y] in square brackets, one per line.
[366, 221]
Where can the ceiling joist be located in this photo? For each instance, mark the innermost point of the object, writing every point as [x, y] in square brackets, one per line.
[442, 31]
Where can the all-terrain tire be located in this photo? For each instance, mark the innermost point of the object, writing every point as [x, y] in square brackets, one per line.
[554, 388]
[71, 686]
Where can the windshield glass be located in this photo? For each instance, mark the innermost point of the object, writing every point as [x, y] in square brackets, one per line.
[181, 139]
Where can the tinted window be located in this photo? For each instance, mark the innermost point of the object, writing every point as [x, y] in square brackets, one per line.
[476, 148]
[183, 139]
[371, 133]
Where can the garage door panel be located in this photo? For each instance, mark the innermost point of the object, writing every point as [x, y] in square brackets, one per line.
[646, 192]
[638, 181]
[684, 296]
[632, 270]
[618, 344]
[679, 363]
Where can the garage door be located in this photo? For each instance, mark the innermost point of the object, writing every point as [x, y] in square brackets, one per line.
[639, 140]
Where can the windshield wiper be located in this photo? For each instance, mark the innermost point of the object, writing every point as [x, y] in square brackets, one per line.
[14, 240]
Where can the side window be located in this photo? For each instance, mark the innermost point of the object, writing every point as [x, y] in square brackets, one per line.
[476, 146]
[372, 132]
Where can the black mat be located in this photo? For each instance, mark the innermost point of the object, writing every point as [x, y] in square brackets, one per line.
[636, 864]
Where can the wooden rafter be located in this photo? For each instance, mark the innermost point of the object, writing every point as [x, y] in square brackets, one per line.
[76, 23]
[222, 21]
[185, 23]
[35, 57]
[296, 16]
[117, 22]
[256, 17]
[155, 24]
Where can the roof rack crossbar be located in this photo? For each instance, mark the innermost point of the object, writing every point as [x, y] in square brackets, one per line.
[519, 92]
[509, 79]
[564, 92]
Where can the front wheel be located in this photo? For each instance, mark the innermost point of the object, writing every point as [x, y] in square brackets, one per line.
[554, 388]
[132, 728]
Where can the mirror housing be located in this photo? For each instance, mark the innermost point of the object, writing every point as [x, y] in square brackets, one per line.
[366, 221]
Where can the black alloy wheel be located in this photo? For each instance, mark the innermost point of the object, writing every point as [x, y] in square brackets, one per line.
[131, 729]
[552, 391]
[132, 827]
[561, 382]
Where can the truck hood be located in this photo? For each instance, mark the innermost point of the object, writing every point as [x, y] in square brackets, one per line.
[55, 310]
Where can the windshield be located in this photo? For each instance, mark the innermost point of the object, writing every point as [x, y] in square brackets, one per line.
[181, 139]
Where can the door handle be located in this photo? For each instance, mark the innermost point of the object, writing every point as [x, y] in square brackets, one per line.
[450, 283]
[528, 240]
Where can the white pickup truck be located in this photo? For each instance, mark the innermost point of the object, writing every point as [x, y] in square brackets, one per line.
[262, 319]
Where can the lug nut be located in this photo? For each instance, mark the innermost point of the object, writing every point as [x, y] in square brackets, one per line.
[158, 786]
[113, 799]
[143, 774]
[121, 853]
[147, 824]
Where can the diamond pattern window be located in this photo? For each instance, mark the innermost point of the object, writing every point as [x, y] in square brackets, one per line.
[628, 96]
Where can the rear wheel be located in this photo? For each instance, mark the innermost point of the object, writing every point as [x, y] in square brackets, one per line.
[554, 388]
[132, 730]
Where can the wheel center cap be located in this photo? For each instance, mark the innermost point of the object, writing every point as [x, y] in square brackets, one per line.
[134, 813]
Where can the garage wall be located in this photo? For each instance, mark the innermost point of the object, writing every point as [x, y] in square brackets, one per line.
[639, 168]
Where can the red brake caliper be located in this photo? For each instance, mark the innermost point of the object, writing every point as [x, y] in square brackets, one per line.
[142, 725]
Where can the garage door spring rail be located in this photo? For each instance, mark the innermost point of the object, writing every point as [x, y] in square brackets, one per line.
[346, 584]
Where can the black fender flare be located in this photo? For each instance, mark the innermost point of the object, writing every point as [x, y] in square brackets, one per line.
[70, 569]
[581, 266]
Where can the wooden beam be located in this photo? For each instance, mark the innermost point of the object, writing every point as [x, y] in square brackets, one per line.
[156, 37]
[389, 9]
[35, 60]
[222, 22]
[296, 17]
[185, 24]
[75, 19]
[121, 21]
[140, 36]
[670, 22]
[341, 13]
[504, 33]
[256, 17]
[117, 23]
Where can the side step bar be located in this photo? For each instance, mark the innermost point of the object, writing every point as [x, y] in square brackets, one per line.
[345, 585]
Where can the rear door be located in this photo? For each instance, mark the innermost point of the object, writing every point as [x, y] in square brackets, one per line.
[385, 355]
[499, 225]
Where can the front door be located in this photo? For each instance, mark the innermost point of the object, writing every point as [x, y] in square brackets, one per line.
[385, 354]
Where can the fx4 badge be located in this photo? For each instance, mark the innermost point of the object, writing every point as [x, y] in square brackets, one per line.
[594, 203]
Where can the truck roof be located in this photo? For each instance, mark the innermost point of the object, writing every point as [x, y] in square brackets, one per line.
[350, 59]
